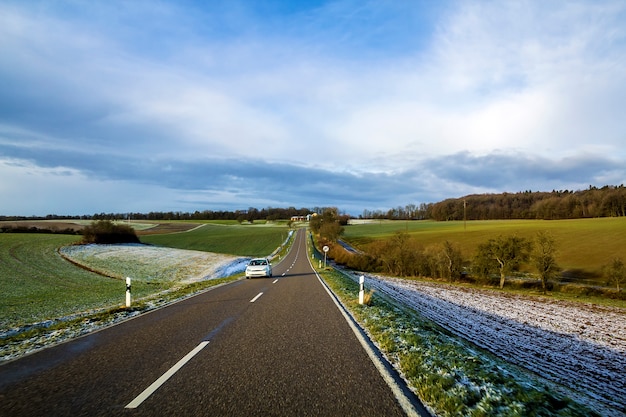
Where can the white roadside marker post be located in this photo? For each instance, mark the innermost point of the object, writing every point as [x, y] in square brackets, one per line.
[127, 292]
[361, 289]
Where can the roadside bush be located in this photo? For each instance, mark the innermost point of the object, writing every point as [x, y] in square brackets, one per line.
[582, 290]
[530, 284]
[357, 261]
[106, 232]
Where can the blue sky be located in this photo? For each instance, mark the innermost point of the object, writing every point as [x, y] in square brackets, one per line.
[138, 106]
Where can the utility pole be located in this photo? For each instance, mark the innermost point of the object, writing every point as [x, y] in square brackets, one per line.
[464, 214]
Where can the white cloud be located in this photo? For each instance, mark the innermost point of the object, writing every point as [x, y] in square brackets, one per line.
[373, 93]
[34, 190]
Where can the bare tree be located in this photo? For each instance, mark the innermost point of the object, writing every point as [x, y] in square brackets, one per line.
[616, 273]
[400, 254]
[543, 257]
[503, 254]
[454, 260]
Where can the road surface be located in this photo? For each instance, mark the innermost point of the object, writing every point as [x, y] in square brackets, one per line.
[263, 347]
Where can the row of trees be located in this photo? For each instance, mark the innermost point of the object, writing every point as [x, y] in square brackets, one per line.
[43, 230]
[251, 214]
[408, 212]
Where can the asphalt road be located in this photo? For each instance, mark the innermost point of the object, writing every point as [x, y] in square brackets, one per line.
[263, 347]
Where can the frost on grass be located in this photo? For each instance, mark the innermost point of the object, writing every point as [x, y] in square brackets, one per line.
[152, 263]
[580, 348]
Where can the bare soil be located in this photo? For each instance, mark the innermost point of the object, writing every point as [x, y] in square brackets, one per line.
[579, 347]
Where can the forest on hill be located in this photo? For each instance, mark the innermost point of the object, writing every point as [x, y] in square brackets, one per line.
[607, 201]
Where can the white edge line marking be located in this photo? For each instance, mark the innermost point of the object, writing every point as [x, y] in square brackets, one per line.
[257, 297]
[405, 403]
[167, 375]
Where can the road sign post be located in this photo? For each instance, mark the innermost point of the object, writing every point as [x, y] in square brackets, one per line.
[127, 292]
[325, 249]
[361, 289]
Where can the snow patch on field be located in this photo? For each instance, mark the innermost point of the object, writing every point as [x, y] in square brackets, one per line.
[153, 263]
[232, 268]
[578, 346]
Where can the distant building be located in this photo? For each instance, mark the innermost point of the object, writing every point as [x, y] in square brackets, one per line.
[301, 218]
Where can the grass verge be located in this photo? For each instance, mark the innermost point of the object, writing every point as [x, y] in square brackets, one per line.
[16, 342]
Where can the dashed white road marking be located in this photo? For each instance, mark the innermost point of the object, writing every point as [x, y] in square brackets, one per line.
[275, 281]
[167, 375]
[257, 297]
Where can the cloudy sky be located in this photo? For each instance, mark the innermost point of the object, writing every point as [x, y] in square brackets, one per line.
[138, 106]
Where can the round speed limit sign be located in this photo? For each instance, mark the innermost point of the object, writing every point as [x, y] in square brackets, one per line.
[325, 248]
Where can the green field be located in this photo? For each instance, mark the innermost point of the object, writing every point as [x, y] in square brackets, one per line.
[36, 284]
[582, 244]
[241, 240]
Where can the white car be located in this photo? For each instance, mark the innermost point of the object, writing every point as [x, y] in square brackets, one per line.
[259, 267]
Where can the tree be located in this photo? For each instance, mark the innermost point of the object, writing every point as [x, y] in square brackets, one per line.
[327, 225]
[543, 257]
[331, 231]
[399, 255]
[106, 232]
[504, 254]
[442, 261]
[616, 273]
[454, 260]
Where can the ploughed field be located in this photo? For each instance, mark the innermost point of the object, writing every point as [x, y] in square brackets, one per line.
[580, 347]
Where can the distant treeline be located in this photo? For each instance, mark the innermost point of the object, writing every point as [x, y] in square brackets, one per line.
[251, 215]
[34, 229]
[608, 201]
